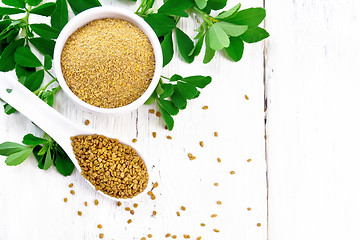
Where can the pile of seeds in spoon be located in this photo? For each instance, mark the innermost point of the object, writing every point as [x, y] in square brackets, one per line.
[112, 167]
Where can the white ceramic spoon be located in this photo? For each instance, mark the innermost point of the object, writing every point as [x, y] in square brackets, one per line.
[51, 121]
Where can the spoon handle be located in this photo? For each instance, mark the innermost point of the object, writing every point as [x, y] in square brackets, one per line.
[44, 116]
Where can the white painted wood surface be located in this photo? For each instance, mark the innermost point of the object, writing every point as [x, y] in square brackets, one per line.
[313, 119]
[31, 200]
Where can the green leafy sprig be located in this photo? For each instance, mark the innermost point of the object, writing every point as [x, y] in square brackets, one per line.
[46, 151]
[172, 94]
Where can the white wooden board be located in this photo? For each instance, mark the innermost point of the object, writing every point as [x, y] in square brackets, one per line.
[31, 200]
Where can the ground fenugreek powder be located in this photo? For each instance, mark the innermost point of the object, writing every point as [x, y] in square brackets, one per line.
[112, 167]
[108, 63]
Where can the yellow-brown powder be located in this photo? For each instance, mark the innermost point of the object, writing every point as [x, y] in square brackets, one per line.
[108, 63]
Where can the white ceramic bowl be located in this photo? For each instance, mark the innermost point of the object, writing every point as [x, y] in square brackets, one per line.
[99, 13]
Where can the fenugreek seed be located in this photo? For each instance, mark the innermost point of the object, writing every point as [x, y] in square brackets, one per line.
[153, 197]
[259, 224]
[174, 236]
[232, 172]
[216, 230]
[168, 235]
[99, 226]
[149, 235]
[198, 238]
[71, 185]
[65, 199]
[249, 208]
[134, 140]
[85, 203]
[79, 213]
[219, 160]
[119, 204]
[96, 202]
[154, 134]
[249, 160]
[216, 184]
[72, 192]
[166, 127]
[218, 202]
[129, 221]
[101, 235]
[201, 143]
[127, 209]
[183, 208]
[192, 158]
[87, 122]
[132, 212]
[152, 111]
[143, 238]
[158, 114]
[214, 215]
[154, 213]
[205, 107]
[150, 193]
[156, 185]
[202, 224]
[246, 97]
[169, 137]
[117, 66]
[178, 214]
[190, 155]
[136, 205]
[216, 134]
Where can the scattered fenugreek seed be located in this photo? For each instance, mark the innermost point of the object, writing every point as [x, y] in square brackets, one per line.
[178, 214]
[202, 224]
[101, 235]
[96, 202]
[183, 208]
[216, 230]
[87, 122]
[127, 209]
[249, 208]
[198, 238]
[214, 215]
[246, 97]
[156, 185]
[154, 134]
[65, 199]
[205, 107]
[136, 205]
[79, 213]
[119, 204]
[249, 160]
[154, 213]
[259, 224]
[72, 192]
[232, 172]
[219, 160]
[218, 202]
[158, 114]
[149, 235]
[153, 197]
[168, 235]
[143, 238]
[216, 134]
[129, 221]
[201, 143]
[71, 185]
[134, 140]
[152, 111]
[150, 193]
[85, 203]
[169, 137]
[174, 236]
[99, 226]
[132, 212]
[216, 184]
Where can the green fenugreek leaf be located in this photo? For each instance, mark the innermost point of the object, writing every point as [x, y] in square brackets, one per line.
[45, 9]
[168, 90]
[23, 71]
[187, 90]
[34, 81]
[9, 109]
[7, 61]
[175, 77]
[160, 23]
[201, 3]
[218, 38]
[48, 160]
[38, 157]
[209, 52]
[229, 12]
[45, 31]
[47, 62]
[169, 121]
[251, 17]
[9, 148]
[216, 4]
[19, 157]
[62, 162]
[235, 49]
[255, 35]
[178, 100]
[185, 45]
[151, 98]
[45, 46]
[10, 11]
[168, 106]
[32, 140]
[197, 48]
[25, 58]
[198, 81]
[60, 17]
[81, 5]
[167, 49]
[33, 2]
[231, 29]
[14, 3]
[176, 7]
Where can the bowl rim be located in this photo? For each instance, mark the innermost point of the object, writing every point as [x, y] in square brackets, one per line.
[100, 13]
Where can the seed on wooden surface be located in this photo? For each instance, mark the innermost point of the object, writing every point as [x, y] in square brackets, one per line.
[183, 208]
[152, 111]
[99, 226]
[85, 203]
[232, 172]
[143, 238]
[119, 204]
[166, 127]
[72, 192]
[154, 213]
[205, 107]
[246, 97]
[150, 193]
[158, 114]
[134, 140]
[154, 134]
[202, 224]
[216, 134]
[186, 236]
[249, 208]
[178, 214]
[201, 143]
[101, 235]
[219, 160]
[65, 199]
[156, 185]
[87, 122]
[216, 184]
[174, 236]
[169, 137]
[108, 63]
[71, 185]
[168, 235]
[129, 221]
[214, 215]
[96, 202]
[153, 197]
[149, 235]
[198, 238]
[132, 212]
[136, 205]
[249, 160]
[79, 213]
[216, 230]
[112, 167]
[127, 209]
[259, 224]
[218, 202]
